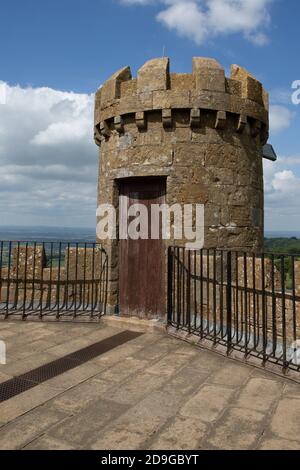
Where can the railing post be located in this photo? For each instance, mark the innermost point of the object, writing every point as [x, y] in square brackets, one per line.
[284, 325]
[170, 284]
[229, 303]
[188, 292]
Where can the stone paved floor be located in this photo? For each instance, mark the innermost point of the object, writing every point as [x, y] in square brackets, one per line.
[154, 392]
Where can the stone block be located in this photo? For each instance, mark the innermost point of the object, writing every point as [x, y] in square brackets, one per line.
[251, 88]
[167, 118]
[221, 120]
[111, 89]
[195, 118]
[140, 119]
[119, 124]
[153, 76]
[181, 81]
[208, 74]
[171, 99]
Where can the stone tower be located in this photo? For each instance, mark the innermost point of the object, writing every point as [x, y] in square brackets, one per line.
[202, 133]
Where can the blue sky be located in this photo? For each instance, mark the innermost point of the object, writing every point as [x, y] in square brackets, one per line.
[54, 55]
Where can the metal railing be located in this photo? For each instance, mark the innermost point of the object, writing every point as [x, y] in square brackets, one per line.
[58, 279]
[245, 302]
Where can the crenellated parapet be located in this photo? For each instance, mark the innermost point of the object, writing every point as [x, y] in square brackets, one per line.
[241, 97]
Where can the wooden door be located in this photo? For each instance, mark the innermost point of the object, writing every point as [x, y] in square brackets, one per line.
[142, 262]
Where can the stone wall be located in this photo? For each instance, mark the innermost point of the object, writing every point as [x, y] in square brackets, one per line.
[202, 131]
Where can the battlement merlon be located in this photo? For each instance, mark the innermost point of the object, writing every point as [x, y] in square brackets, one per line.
[156, 89]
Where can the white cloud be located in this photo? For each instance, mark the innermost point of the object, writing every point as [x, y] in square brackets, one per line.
[201, 20]
[280, 118]
[48, 159]
[187, 19]
[282, 194]
[281, 96]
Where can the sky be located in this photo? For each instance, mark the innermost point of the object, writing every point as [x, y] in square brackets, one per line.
[54, 56]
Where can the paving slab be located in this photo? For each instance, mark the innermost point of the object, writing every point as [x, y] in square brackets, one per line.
[208, 403]
[240, 429]
[260, 394]
[22, 352]
[169, 365]
[207, 361]
[151, 413]
[135, 388]
[186, 382]
[29, 426]
[85, 427]
[291, 390]
[286, 420]
[180, 433]
[279, 444]
[122, 370]
[4, 377]
[231, 375]
[119, 439]
[78, 397]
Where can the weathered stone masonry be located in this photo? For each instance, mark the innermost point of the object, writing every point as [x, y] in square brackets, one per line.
[202, 131]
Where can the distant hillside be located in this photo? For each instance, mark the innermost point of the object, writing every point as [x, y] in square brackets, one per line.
[283, 245]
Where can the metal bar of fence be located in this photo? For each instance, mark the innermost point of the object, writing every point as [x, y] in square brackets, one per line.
[207, 293]
[16, 293]
[284, 342]
[236, 316]
[274, 319]
[263, 309]
[58, 284]
[170, 283]
[42, 284]
[93, 281]
[201, 294]
[255, 332]
[294, 300]
[8, 280]
[25, 282]
[178, 287]
[245, 267]
[215, 296]
[188, 293]
[229, 302]
[195, 310]
[221, 294]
